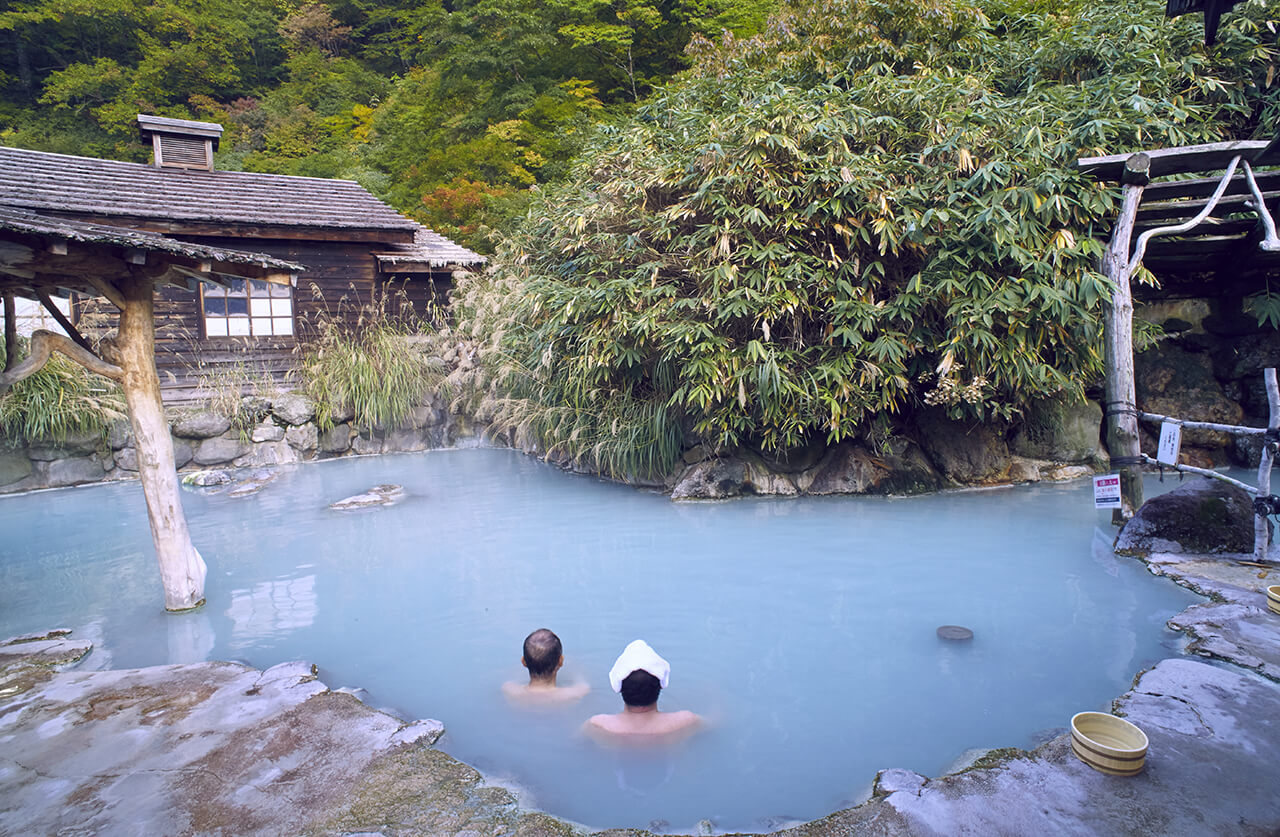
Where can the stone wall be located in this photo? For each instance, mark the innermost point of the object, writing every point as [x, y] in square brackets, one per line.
[281, 430]
[1208, 368]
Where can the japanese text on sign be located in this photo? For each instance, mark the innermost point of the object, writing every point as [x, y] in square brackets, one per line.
[1170, 443]
[1106, 492]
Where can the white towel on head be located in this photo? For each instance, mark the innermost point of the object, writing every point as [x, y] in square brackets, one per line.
[638, 656]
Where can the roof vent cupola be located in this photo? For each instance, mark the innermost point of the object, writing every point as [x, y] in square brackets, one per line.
[180, 143]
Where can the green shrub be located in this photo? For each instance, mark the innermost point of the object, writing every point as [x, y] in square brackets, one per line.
[869, 210]
[62, 399]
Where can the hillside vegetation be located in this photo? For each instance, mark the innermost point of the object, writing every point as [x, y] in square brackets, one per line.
[868, 210]
[448, 109]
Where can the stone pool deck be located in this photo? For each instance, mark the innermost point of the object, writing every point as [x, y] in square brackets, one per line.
[220, 748]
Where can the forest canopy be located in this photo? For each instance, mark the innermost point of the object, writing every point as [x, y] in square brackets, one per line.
[867, 211]
[448, 110]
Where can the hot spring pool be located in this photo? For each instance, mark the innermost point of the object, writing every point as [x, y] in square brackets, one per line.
[803, 629]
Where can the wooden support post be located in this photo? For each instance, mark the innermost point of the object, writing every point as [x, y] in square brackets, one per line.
[10, 333]
[1121, 407]
[1261, 533]
[182, 570]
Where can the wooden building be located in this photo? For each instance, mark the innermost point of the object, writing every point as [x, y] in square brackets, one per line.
[355, 248]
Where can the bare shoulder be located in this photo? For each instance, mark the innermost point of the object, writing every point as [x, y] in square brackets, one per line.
[683, 719]
[576, 691]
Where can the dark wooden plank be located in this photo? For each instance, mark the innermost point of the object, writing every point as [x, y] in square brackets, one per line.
[1190, 208]
[1166, 161]
[1208, 227]
[1268, 182]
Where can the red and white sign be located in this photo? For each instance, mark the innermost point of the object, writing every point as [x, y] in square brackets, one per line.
[1106, 492]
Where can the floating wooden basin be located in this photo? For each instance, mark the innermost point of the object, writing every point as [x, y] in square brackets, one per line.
[1273, 598]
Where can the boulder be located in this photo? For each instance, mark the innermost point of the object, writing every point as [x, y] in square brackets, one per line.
[293, 409]
[203, 424]
[14, 465]
[120, 434]
[267, 432]
[847, 469]
[75, 444]
[366, 443]
[206, 479]
[74, 471]
[408, 439]
[336, 439]
[968, 453]
[1059, 430]
[1205, 516]
[425, 415]
[254, 483]
[1178, 383]
[220, 450]
[183, 453]
[303, 437]
[341, 413]
[712, 479]
[127, 459]
[379, 495]
[267, 453]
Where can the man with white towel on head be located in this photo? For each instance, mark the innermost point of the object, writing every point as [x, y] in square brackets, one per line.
[640, 675]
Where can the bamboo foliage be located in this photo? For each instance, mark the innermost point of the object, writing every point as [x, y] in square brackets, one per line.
[868, 210]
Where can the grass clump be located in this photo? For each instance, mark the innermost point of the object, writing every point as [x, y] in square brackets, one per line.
[370, 365]
[229, 391]
[61, 400]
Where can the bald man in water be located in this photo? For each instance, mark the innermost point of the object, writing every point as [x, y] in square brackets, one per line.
[639, 676]
[543, 657]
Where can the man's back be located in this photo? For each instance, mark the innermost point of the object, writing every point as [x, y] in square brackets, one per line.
[652, 723]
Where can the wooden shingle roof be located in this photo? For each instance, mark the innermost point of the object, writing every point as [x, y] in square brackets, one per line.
[42, 254]
[85, 186]
[429, 251]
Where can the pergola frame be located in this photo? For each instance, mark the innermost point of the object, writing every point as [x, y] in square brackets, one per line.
[42, 257]
[1197, 223]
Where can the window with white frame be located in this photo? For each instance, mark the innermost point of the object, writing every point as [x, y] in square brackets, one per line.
[247, 309]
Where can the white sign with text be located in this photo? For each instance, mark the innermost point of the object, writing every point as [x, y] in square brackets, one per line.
[1106, 491]
[1170, 443]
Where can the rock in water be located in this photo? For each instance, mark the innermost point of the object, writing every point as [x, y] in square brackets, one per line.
[379, 495]
[204, 479]
[1205, 516]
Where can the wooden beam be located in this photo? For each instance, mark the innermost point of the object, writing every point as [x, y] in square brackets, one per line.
[1203, 187]
[106, 289]
[373, 235]
[1231, 205]
[10, 333]
[1211, 227]
[61, 319]
[1165, 161]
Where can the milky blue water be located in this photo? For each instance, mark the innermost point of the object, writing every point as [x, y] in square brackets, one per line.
[803, 629]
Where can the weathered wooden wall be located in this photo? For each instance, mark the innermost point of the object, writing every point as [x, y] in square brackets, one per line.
[340, 279]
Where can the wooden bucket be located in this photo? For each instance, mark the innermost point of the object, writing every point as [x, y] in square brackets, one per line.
[1273, 598]
[1108, 744]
